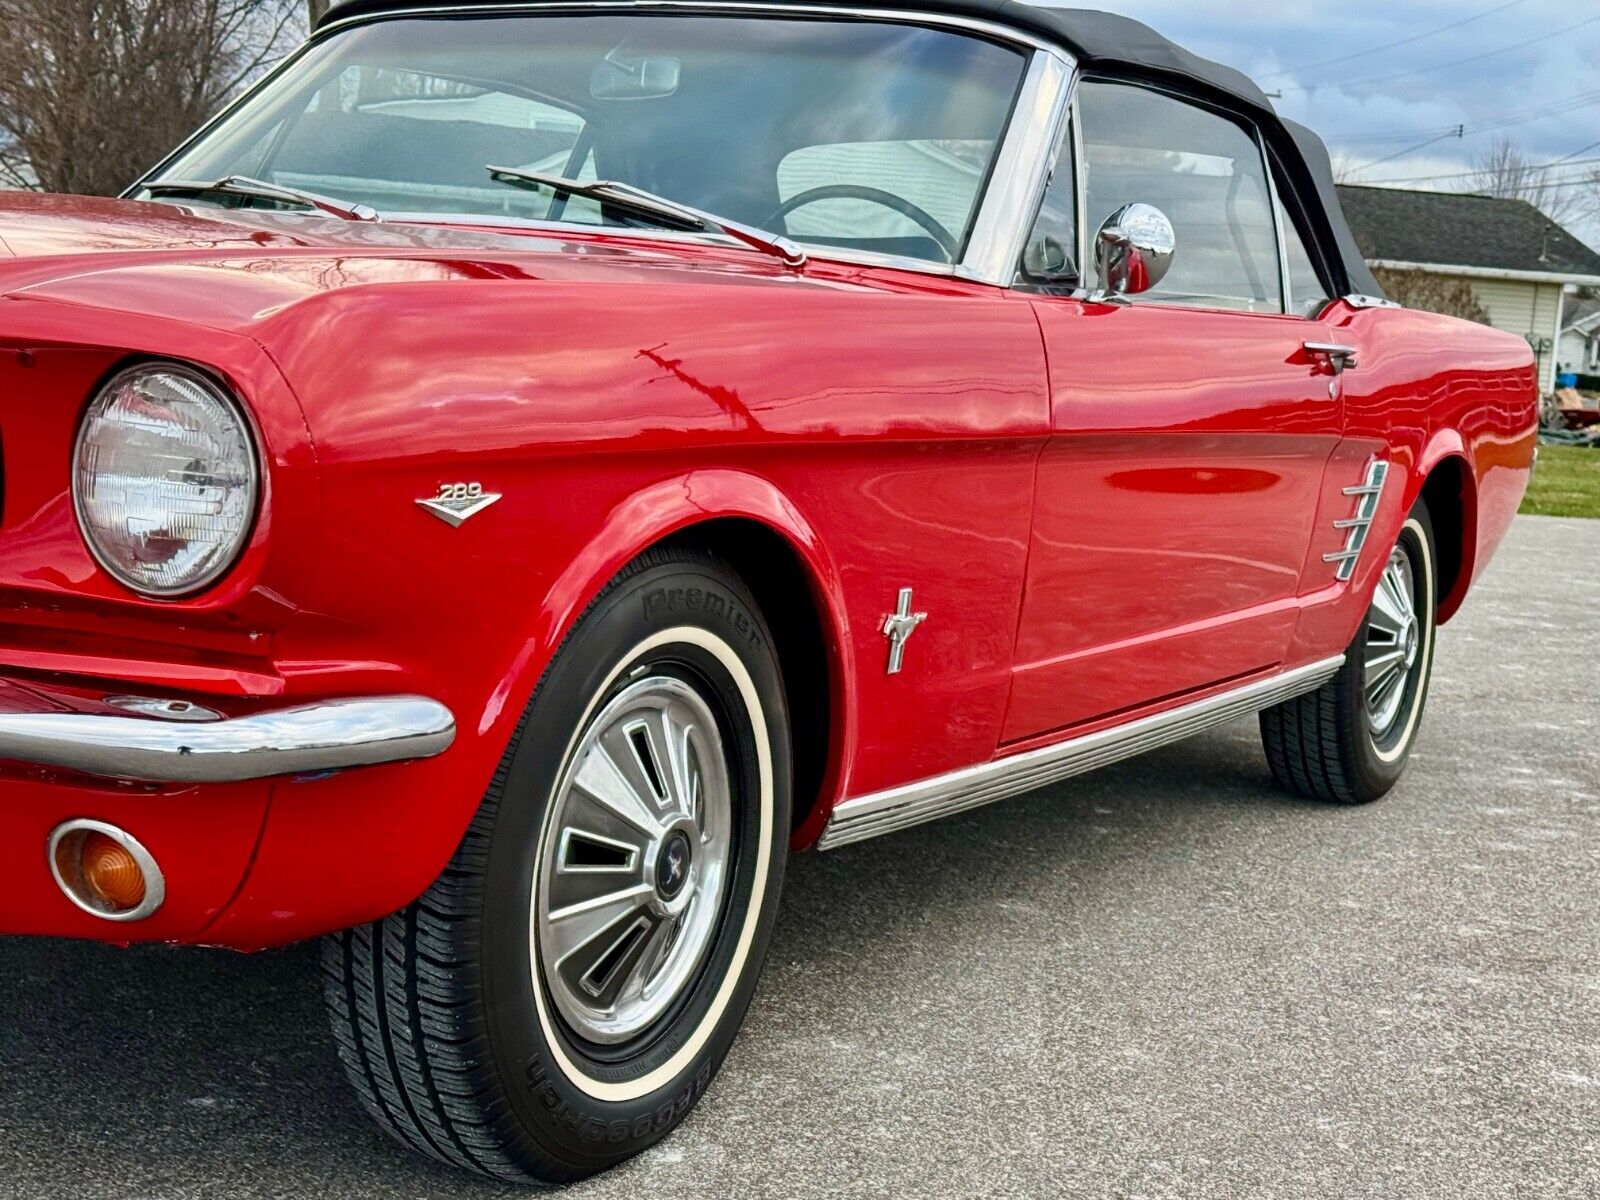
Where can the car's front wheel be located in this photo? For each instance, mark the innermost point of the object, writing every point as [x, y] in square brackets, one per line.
[561, 997]
[1348, 741]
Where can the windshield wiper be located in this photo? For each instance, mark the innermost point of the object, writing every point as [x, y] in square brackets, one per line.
[243, 185]
[655, 208]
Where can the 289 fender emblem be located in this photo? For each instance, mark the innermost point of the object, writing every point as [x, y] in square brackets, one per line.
[458, 501]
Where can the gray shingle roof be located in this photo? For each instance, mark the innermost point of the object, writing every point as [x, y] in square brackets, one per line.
[1580, 312]
[1458, 229]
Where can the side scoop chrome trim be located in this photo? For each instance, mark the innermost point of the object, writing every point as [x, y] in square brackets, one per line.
[929, 799]
[312, 738]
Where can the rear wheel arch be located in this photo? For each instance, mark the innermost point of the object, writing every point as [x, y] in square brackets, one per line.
[1450, 491]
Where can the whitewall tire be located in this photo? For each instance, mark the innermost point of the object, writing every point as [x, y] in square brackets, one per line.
[561, 998]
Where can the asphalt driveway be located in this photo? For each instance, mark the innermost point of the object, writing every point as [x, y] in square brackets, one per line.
[1164, 980]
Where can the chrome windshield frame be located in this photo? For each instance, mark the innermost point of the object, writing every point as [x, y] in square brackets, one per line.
[1011, 193]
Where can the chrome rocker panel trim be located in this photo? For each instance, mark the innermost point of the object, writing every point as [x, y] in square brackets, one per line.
[312, 738]
[929, 799]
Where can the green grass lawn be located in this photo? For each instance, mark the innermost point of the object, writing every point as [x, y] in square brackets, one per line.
[1566, 483]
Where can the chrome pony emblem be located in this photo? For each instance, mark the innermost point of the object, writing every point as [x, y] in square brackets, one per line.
[898, 626]
[672, 868]
[458, 501]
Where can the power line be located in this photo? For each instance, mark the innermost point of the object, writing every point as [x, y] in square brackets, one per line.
[1459, 131]
[1486, 125]
[1344, 58]
[1532, 168]
[1551, 185]
[1565, 159]
[1471, 58]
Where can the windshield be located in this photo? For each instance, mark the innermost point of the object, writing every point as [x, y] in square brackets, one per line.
[868, 135]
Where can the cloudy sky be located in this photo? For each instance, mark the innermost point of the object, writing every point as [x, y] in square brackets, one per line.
[1379, 78]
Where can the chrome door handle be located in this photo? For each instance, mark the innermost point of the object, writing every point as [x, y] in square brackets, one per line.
[1340, 358]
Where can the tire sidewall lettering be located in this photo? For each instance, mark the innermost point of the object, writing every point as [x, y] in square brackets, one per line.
[667, 603]
[598, 1130]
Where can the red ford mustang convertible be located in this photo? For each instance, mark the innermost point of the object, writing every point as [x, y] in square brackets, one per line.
[526, 469]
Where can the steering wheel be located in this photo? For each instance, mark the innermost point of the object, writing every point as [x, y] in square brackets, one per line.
[851, 191]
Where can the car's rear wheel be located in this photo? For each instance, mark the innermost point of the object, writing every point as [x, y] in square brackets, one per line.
[1348, 742]
[561, 997]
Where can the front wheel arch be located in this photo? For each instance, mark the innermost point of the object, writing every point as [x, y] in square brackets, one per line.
[808, 649]
[748, 520]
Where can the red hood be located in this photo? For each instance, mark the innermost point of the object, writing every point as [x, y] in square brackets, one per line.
[231, 270]
[33, 225]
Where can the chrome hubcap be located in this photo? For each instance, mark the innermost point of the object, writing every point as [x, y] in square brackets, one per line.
[634, 860]
[1394, 642]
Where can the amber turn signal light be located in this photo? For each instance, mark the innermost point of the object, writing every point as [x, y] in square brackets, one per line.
[111, 873]
[105, 871]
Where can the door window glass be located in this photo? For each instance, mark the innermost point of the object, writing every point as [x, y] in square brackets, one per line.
[1205, 172]
[1307, 294]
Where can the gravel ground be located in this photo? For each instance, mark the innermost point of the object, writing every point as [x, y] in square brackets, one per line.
[1164, 980]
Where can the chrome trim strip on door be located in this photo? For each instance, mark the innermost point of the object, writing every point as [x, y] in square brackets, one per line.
[929, 799]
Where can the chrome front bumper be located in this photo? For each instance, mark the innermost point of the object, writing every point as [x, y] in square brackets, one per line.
[310, 739]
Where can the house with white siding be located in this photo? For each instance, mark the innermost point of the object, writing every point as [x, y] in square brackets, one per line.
[1580, 338]
[1519, 264]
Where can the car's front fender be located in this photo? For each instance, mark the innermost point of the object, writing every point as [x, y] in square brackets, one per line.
[357, 846]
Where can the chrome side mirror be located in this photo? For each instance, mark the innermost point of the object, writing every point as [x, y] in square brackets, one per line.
[1133, 250]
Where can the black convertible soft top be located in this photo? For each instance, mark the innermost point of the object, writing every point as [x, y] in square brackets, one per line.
[1104, 41]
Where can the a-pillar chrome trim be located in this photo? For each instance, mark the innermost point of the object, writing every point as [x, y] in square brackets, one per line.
[1021, 168]
[902, 807]
[308, 739]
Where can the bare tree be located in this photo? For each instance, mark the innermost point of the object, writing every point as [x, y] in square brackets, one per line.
[1589, 195]
[1507, 172]
[1432, 293]
[92, 92]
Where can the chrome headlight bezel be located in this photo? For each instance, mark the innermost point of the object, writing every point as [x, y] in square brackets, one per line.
[232, 409]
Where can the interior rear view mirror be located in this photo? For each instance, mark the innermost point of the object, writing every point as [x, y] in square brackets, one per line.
[619, 76]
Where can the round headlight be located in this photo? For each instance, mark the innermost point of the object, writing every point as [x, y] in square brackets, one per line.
[164, 479]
